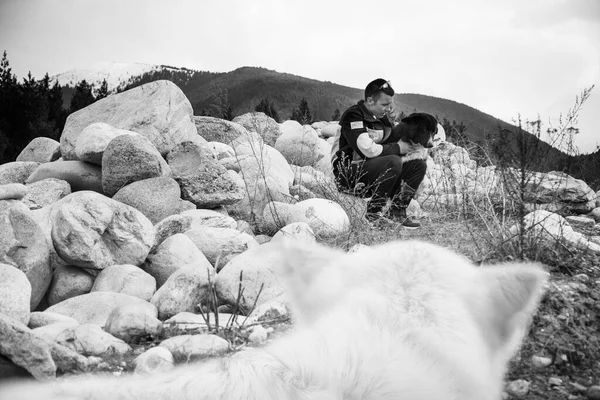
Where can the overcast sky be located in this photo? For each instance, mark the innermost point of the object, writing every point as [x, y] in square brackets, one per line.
[503, 57]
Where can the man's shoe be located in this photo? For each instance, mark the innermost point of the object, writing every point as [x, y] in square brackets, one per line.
[399, 215]
[377, 219]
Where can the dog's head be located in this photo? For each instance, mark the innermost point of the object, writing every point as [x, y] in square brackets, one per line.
[418, 128]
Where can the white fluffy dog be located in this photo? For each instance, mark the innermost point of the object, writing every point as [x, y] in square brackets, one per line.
[403, 320]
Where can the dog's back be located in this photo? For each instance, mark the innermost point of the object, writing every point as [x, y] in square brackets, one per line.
[404, 320]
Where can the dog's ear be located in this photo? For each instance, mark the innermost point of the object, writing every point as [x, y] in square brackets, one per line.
[503, 300]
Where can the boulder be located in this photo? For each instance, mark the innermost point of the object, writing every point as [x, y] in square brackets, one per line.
[95, 307]
[40, 149]
[46, 192]
[219, 130]
[17, 171]
[15, 293]
[158, 110]
[67, 282]
[13, 191]
[92, 231]
[125, 279]
[132, 323]
[202, 179]
[220, 245]
[298, 144]
[23, 244]
[94, 139]
[326, 218]
[91, 340]
[130, 158]
[79, 175]
[156, 198]
[295, 231]
[186, 348]
[154, 361]
[259, 122]
[38, 319]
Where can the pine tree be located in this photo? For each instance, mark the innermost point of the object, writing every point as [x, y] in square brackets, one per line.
[302, 113]
[267, 107]
[82, 97]
[336, 115]
[103, 91]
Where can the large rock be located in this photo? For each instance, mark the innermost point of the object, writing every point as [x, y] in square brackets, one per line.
[17, 171]
[187, 348]
[131, 323]
[202, 179]
[67, 282]
[267, 177]
[15, 293]
[557, 187]
[219, 130]
[258, 267]
[130, 158]
[175, 252]
[92, 231]
[157, 198]
[157, 110]
[91, 340]
[95, 307]
[13, 191]
[126, 279]
[94, 139]
[40, 149]
[46, 192]
[326, 218]
[79, 175]
[298, 144]
[24, 245]
[262, 124]
[184, 290]
[220, 245]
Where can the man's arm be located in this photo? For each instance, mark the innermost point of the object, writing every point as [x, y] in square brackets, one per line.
[355, 132]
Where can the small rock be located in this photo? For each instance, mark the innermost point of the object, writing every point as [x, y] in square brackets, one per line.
[155, 360]
[594, 393]
[187, 348]
[578, 387]
[258, 335]
[540, 362]
[518, 388]
[554, 381]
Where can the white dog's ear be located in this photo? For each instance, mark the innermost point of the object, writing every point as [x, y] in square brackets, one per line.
[311, 277]
[503, 300]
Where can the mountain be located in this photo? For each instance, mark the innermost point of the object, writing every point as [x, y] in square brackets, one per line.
[243, 89]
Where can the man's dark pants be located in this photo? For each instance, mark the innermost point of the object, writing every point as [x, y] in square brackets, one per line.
[383, 178]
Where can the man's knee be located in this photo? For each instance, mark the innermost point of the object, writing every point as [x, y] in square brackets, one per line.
[418, 166]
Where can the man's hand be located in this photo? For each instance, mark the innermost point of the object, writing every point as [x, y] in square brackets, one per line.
[408, 147]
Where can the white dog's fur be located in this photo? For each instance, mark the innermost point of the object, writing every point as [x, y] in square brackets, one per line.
[404, 320]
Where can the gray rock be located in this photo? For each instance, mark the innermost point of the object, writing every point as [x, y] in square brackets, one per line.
[202, 179]
[518, 388]
[38, 319]
[131, 322]
[175, 252]
[154, 361]
[24, 348]
[125, 279]
[203, 217]
[91, 340]
[298, 144]
[67, 282]
[219, 130]
[24, 245]
[183, 291]
[261, 123]
[258, 267]
[92, 231]
[95, 307]
[156, 198]
[594, 393]
[186, 348]
[17, 171]
[46, 192]
[220, 150]
[94, 138]
[221, 245]
[79, 175]
[15, 293]
[158, 111]
[130, 158]
[13, 191]
[40, 149]
[296, 231]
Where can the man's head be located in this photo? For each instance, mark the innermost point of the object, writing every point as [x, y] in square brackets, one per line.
[378, 97]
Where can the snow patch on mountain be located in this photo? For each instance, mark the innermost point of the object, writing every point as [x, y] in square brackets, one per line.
[117, 75]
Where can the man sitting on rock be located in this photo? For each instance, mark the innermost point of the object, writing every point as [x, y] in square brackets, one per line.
[366, 154]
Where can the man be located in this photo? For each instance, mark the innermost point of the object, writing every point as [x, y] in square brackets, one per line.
[368, 155]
